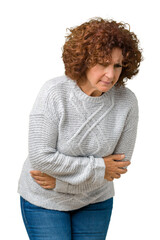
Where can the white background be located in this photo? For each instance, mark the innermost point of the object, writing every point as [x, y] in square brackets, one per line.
[32, 35]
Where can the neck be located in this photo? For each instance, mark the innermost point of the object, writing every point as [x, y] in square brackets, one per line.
[89, 90]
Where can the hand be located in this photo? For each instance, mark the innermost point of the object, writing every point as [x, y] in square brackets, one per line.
[114, 166]
[44, 180]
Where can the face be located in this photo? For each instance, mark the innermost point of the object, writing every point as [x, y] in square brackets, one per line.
[101, 78]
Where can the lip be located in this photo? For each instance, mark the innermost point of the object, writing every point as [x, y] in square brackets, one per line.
[107, 83]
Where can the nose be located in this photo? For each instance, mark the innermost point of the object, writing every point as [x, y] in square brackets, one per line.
[109, 72]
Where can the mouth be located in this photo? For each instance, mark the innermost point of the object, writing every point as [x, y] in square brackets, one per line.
[106, 83]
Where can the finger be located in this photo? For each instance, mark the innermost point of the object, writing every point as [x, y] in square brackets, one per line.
[48, 187]
[110, 179]
[38, 178]
[42, 183]
[36, 172]
[117, 175]
[118, 156]
[123, 164]
[122, 170]
[45, 185]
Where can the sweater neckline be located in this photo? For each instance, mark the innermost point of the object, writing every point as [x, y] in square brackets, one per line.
[83, 96]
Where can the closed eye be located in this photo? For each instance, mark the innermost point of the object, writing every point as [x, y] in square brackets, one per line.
[104, 64]
[118, 65]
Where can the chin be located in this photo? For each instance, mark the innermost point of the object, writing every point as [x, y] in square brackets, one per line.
[106, 89]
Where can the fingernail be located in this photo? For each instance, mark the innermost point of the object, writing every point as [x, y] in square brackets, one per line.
[122, 156]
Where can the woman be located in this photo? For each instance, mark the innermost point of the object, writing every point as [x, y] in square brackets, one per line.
[82, 133]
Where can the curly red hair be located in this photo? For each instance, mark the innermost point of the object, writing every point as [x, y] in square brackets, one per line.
[92, 42]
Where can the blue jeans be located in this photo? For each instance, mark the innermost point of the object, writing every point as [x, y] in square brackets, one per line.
[89, 222]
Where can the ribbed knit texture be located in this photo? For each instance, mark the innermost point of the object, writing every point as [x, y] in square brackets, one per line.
[69, 134]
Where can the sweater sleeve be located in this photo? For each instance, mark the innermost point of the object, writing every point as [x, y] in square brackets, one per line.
[125, 145]
[127, 139]
[73, 174]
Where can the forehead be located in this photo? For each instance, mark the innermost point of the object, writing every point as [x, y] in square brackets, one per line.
[116, 55]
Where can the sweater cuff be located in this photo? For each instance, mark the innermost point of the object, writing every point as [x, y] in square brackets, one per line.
[99, 168]
[61, 186]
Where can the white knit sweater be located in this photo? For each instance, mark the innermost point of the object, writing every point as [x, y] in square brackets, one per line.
[69, 133]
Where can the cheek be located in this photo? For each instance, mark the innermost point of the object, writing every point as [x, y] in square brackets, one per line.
[99, 74]
[91, 74]
[94, 76]
[118, 74]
